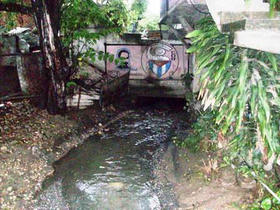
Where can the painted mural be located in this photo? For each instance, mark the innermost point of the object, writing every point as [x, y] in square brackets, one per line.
[161, 59]
[158, 61]
[123, 53]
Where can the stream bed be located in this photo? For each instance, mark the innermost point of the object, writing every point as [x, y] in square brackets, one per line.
[115, 171]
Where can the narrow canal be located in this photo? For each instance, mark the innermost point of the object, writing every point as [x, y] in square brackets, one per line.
[117, 170]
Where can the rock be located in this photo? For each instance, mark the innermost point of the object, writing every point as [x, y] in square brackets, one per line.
[4, 149]
[36, 151]
[247, 183]
[116, 185]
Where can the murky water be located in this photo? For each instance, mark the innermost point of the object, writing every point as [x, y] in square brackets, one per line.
[115, 171]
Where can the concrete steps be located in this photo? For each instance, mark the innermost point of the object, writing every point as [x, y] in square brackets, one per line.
[86, 100]
[250, 23]
[265, 40]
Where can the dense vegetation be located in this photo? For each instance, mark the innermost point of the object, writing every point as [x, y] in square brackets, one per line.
[80, 15]
[240, 95]
[137, 11]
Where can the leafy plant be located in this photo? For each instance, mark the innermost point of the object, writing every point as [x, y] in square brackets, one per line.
[242, 87]
[137, 11]
[241, 84]
[71, 84]
[83, 22]
[9, 19]
[274, 5]
[203, 133]
[150, 22]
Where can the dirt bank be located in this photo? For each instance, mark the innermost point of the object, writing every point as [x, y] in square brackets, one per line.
[31, 141]
[195, 189]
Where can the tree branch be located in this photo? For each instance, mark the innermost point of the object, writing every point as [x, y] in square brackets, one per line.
[14, 7]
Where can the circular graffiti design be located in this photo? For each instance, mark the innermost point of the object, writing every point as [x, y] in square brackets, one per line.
[160, 59]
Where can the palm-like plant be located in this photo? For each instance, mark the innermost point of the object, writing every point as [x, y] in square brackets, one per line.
[243, 87]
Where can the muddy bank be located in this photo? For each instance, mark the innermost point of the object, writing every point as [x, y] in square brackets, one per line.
[194, 188]
[31, 141]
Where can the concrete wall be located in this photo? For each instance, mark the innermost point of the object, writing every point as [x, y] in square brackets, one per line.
[150, 74]
[22, 71]
[156, 68]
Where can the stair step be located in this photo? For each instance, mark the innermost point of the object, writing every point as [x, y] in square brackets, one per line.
[265, 24]
[218, 7]
[264, 40]
[234, 21]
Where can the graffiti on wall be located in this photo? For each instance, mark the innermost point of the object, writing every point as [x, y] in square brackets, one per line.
[123, 53]
[161, 59]
[158, 61]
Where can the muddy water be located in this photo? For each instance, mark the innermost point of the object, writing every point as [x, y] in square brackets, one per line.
[116, 170]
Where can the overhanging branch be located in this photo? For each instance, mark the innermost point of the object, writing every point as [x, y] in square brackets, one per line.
[13, 7]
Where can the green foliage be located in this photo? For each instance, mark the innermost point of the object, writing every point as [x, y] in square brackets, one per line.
[14, 1]
[71, 84]
[9, 18]
[80, 15]
[136, 13]
[201, 138]
[149, 23]
[266, 203]
[138, 8]
[274, 6]
[242, 87]
[115, 16]
[76, 17]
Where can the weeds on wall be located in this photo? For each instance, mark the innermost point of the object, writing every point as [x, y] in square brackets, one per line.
[240, 94]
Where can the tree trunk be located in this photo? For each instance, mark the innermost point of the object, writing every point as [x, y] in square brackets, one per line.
[47, 20]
